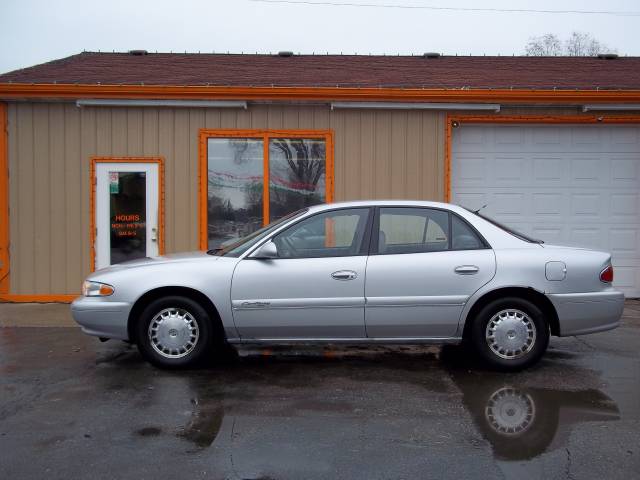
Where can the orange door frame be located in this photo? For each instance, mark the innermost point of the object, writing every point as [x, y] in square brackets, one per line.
[265, 135]
[4, 201]
[454, 121]
[92, 202]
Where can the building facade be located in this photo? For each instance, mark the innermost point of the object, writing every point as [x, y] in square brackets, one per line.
[109, 157]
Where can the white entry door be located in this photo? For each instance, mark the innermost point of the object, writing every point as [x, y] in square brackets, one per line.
[572, 185]
[126, 211]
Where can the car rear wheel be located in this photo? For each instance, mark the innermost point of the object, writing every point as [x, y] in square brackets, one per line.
[174, 332]
[510, 334]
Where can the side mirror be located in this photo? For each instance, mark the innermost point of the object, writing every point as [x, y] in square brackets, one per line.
[266, 251]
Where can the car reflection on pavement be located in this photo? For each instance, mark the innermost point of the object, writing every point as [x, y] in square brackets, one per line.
[519, 422]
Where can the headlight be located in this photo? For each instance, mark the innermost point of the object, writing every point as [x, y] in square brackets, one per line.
[95, 289]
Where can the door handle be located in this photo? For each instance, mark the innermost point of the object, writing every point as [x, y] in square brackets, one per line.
[344, 275]
[466, 270]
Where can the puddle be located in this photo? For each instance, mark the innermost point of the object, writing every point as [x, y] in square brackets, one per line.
[520, 421]
[523, 423]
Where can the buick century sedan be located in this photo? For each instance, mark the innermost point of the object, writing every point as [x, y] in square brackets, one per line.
[360, 272]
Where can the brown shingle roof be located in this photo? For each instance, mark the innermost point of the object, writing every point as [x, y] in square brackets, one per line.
[583, 73]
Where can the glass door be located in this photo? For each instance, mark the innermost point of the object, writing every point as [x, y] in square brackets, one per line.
[126, 212]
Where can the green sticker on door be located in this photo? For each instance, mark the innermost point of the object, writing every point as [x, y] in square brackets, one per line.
[114, 183]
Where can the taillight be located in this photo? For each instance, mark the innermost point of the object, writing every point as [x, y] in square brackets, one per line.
[606, 275]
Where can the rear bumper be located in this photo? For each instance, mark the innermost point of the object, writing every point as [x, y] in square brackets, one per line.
[583, 313]
[101, 318]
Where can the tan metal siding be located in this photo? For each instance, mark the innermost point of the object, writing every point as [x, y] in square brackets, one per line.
[378, 154]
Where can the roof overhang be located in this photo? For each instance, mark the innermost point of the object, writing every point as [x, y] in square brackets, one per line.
[15, 91]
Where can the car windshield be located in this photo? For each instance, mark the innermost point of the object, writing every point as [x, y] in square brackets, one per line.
[241, 245]
[501, 226]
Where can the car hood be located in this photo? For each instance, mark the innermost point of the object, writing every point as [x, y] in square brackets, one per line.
[170, 258]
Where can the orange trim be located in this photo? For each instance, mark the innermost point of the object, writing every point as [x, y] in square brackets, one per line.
[265, 135]
[266, 193]
[92, 200]
[16, 90]
[4, 201]
[62, 298]
[525, 119]
[202, 192]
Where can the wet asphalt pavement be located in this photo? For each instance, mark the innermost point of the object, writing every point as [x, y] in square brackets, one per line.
[71, 407]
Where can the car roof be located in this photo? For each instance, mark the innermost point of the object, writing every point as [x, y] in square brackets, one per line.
[386, 203]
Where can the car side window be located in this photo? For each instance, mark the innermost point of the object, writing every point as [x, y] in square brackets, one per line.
[337, 233]
[463, 237]
[412, 230]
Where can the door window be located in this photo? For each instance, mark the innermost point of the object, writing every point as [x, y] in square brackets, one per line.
[128, 212]
[412, 230]
[339, 233]
[463, 237]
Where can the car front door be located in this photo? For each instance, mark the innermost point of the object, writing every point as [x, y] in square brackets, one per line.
[314, 288]
[424, 265]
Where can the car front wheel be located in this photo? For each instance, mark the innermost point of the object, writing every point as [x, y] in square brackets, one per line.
[510, 333]
[174, 332]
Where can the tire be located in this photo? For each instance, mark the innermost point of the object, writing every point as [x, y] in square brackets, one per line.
[184, 332]
[510, 334]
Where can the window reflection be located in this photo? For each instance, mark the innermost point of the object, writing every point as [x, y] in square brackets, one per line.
[235, 174]
[235, 182]
[296, 174]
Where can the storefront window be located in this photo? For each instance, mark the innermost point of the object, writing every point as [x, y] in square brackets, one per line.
[296, 174]
[235, 186]
[242, 196]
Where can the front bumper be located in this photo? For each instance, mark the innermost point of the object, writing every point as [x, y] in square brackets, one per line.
[101, 318]
[583, 313]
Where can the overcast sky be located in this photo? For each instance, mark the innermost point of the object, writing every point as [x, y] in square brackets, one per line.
[35, 31]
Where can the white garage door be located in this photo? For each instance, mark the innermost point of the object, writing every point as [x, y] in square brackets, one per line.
[572, 185]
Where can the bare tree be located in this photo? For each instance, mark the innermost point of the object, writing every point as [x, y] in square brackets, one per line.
[548, 45]
[578, 44]
[584, 45]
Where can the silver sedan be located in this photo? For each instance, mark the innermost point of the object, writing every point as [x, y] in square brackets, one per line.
[358, 272]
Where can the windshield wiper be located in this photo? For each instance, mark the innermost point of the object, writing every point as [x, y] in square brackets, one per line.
[213, 251]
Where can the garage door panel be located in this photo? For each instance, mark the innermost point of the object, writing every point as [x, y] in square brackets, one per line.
[587, 170]
[509, 169]
[626, 276]
[586, 237]
[509, 136]
[473, 170]
[624, 205]
[548, 204]
[508, 203]
[623, 241]
[577, 185]
[625, 171]
[587, 206]
[584, 136]
[544, 137]
[549, 170]
[625, 137]
[472, 140]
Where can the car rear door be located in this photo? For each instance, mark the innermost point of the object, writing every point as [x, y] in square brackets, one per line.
[315, 288]
[424, 265]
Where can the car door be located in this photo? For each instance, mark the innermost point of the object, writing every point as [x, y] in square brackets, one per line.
[424, 265]
[314, 289]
